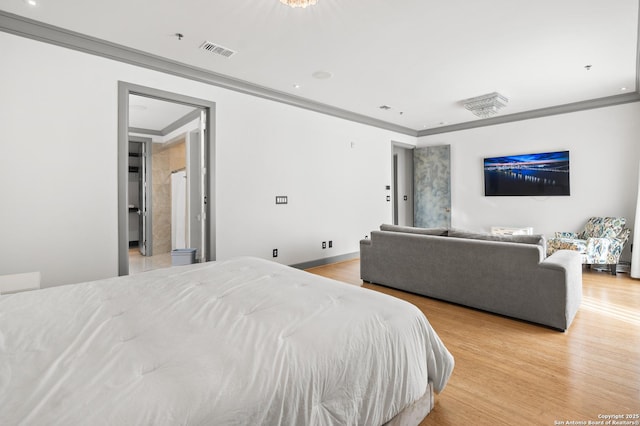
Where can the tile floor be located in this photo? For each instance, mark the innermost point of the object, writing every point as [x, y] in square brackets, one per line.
[139, 263]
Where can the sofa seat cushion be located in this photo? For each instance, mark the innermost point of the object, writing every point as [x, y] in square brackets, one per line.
[572, 244]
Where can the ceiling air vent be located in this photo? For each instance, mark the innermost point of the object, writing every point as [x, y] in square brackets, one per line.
[217, 49]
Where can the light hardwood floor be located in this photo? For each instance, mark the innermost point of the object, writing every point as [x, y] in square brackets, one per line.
[510, 372]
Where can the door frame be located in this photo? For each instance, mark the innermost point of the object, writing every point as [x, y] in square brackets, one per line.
[124, 90]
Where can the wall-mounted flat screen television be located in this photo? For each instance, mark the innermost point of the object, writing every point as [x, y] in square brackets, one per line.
[545, 173]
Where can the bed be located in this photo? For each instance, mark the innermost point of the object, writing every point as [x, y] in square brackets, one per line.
[236, 342]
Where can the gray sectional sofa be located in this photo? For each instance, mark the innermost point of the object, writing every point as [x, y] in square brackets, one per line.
[507, 275]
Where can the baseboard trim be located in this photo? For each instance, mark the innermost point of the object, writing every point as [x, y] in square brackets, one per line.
[326, 260]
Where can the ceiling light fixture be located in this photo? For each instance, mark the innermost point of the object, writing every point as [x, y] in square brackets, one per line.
[486, 105]
[299, 3]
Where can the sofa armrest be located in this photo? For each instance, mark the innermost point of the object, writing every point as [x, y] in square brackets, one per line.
[564, 259]
[571, 263]
[624, 235]
[365, 242]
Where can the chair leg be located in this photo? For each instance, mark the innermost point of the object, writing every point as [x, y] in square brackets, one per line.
[614, 268]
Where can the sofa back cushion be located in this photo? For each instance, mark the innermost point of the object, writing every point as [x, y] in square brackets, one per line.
[603, 227]
[412, 230]
[526, 239]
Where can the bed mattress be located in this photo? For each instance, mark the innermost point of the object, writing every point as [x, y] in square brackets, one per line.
[237, 342]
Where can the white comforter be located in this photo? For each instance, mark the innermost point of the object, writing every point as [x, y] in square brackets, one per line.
[239, 342]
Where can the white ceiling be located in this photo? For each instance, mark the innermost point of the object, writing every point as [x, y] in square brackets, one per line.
[154, 114]
[420, 57]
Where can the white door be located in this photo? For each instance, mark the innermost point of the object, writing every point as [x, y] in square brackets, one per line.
[179, 210]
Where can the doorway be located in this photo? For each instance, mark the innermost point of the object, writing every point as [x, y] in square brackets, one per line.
[139, 198]
[179, 147]
[402, 185]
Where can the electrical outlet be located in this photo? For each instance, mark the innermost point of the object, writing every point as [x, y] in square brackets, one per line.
[330, 244]
[324, 244]
[275, 252]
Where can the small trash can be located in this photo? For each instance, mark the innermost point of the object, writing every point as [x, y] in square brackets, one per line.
[185, 256]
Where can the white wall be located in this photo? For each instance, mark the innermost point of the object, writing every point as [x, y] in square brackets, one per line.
[336, 192]
[58, 167]
[604, 147]
[58, 121]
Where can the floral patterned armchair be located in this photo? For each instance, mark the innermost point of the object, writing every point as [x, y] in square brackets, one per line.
[600, 243]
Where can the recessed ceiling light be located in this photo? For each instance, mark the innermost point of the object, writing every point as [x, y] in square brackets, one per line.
[32, 3]
[623, 88]
[322, 75]
[296, 86]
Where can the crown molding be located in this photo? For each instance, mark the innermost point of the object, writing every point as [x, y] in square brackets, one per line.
[536, 113]
[25, 27]
[144, 131]
[554, 110]
[182, 121]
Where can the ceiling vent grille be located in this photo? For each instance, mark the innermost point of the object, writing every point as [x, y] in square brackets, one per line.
[217, 49]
